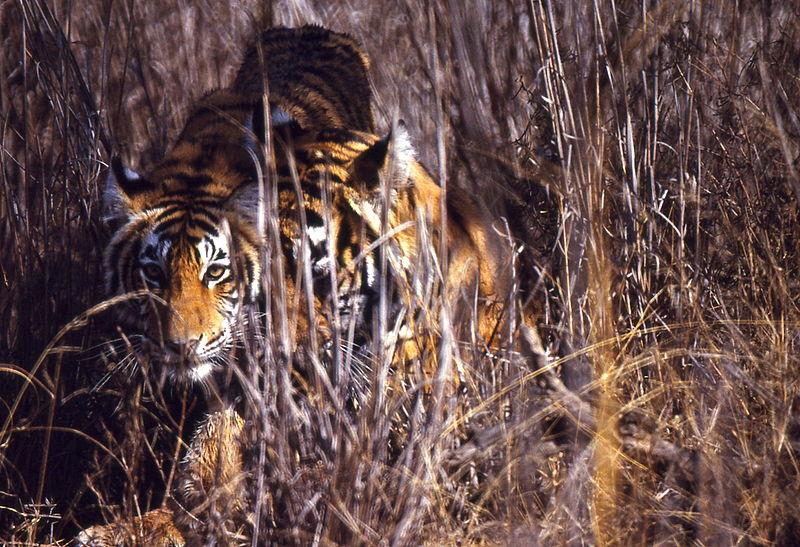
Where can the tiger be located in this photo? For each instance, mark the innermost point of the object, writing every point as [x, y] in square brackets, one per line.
[174, 225]
[186, 232]
[355, 210]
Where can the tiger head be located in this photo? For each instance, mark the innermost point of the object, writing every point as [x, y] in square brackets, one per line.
[190, 248]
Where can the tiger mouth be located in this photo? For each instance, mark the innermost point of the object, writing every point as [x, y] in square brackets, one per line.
[184, 364]
[195, 373]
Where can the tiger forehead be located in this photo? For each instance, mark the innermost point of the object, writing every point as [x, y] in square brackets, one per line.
[213, 166]
[185, 248]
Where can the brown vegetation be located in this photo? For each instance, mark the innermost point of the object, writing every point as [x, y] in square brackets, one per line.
[647, 153]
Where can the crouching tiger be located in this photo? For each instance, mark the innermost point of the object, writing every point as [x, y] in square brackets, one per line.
[360, 226]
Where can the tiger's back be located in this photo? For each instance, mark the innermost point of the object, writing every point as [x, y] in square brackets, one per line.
[319, 78]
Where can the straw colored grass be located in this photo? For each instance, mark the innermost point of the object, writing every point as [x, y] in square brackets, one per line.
[644, 155]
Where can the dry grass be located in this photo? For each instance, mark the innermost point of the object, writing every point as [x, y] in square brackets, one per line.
[647, 154]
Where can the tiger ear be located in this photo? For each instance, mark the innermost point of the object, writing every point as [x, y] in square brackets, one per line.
[121, 187]
[246, 202]
[390, 158]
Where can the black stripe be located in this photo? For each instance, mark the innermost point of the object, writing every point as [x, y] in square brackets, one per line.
[170, 162]
[243, 164]
[167, 224]
[191, 180]
[250, 274]
[341, 136]
[194, 203]
[204, 215]
[166, 214]
[203, 225]
[287, 247]
[343, 239]
[150, 252]
[213, 246]
[310, 190]
[117, 250]
[128, 260]
[313, 219]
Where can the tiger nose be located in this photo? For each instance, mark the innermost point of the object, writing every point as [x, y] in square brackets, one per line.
[183, 347]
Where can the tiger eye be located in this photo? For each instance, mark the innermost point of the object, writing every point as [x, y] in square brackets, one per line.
[152, 272]
[215, 272]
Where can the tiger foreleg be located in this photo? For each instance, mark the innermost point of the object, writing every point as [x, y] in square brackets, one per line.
[208, 500]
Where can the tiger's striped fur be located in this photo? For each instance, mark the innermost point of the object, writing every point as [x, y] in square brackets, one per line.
[315, 76]
[346, 172]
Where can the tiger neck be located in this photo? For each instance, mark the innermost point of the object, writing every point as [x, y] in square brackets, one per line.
[215, 153]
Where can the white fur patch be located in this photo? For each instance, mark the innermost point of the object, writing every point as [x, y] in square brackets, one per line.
[322, 265]
[200, 372]
[372, 271]
[402, 153]
[131, 175]
[317, 234]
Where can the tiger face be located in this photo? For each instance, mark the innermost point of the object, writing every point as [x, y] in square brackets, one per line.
[384, 226]
[193, 256]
